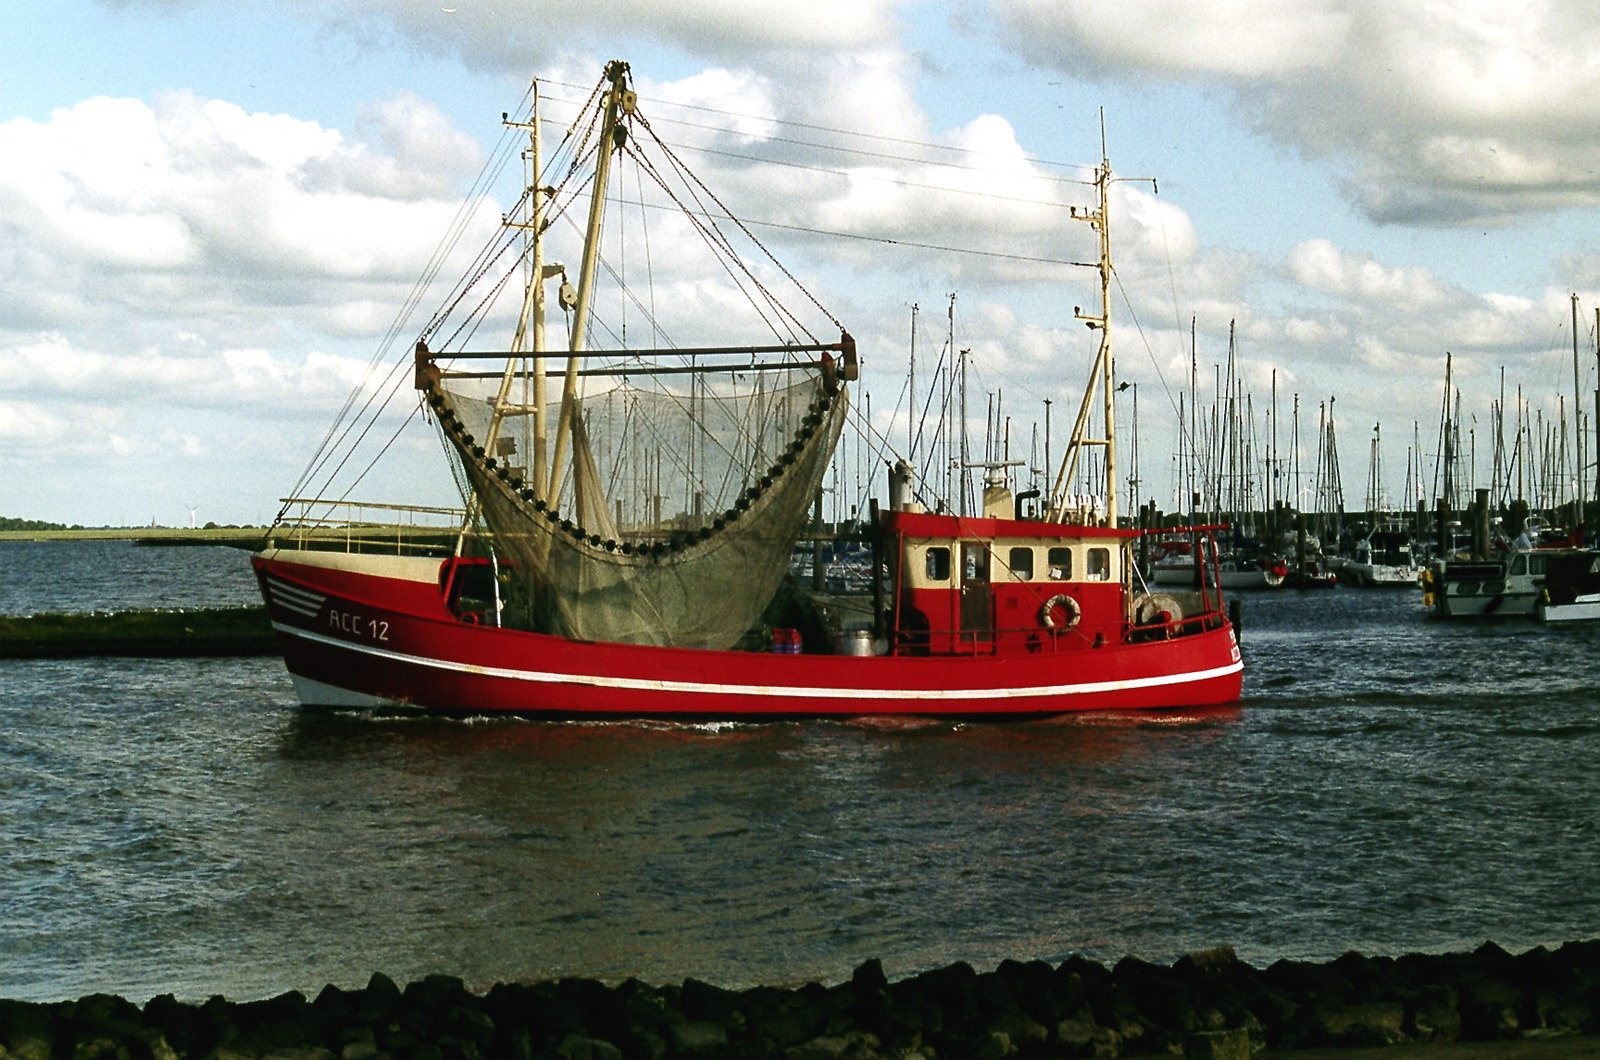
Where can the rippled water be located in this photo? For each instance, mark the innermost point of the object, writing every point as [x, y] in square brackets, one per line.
[1389, 784]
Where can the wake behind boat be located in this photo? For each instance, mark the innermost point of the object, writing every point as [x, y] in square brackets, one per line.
[631, 557]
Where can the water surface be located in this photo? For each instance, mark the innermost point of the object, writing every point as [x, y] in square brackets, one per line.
[1389, 784]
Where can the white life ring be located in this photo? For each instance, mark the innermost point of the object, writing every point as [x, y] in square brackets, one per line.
[1047, 613]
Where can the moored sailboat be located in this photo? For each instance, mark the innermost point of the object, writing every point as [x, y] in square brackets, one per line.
[588, 581]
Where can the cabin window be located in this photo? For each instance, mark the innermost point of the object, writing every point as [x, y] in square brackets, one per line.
[1060, 559]
[974, 562]
[938, 564]
[1098, 568]
[1021, 563]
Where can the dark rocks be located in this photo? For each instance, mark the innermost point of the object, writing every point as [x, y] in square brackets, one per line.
[1208, 1004]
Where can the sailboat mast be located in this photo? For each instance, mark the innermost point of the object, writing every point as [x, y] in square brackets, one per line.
[1577, 434]
[1273, 488]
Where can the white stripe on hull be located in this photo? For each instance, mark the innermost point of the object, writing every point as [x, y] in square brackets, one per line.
[792, 691]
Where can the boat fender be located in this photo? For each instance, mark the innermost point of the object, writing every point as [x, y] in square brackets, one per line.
[1047, 613]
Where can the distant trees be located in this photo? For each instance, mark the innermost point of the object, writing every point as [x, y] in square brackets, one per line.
[10, 523]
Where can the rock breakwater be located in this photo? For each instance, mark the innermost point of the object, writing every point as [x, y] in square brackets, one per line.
[1207, 1004]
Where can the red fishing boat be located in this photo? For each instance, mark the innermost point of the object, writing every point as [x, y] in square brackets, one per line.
[638, 562]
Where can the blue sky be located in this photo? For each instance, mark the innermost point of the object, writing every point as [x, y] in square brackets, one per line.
[213, 208]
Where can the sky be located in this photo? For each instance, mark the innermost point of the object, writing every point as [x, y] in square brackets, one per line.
[213, 211]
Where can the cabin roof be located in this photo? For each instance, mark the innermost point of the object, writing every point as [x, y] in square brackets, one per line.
[928, 524]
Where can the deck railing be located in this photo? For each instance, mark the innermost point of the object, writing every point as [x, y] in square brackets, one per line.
[366, 526]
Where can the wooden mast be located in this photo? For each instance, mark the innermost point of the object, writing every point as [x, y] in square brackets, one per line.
[1103, 374]
[617, 101]
[536, 306]
[1100, 371]
[529, 339]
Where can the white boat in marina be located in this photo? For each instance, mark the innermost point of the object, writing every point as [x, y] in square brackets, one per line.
[1510, 585]
[1582, 608]
[1176, 567]
[1384, 558]
[1571, 588]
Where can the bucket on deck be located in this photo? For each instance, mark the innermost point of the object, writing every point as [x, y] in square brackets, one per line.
[856, 642]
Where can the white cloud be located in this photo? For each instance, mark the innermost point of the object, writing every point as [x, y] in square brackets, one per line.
[1448, 111]
[128, 221]
[1319, 265]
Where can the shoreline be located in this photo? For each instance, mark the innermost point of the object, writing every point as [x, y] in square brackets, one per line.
[1207, 1004]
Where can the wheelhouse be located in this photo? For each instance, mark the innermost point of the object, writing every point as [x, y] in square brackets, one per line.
[970, 585]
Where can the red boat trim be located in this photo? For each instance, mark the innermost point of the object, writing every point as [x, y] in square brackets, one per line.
[797, 691]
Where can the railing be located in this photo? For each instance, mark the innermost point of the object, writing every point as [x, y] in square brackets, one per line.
[366, 526]
[1035, 639]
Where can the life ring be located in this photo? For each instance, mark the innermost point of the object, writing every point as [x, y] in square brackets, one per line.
[1047, 613]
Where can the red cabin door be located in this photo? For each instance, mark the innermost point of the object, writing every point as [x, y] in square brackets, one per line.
[977, 599]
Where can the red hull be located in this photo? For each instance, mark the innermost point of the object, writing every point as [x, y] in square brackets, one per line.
[357, 639]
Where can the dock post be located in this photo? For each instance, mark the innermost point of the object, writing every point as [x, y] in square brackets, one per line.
[1300, 547]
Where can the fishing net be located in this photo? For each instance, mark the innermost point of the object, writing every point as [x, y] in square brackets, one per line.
[677, 510]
